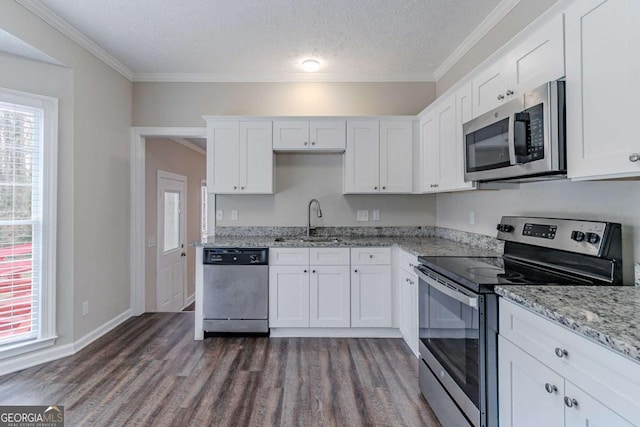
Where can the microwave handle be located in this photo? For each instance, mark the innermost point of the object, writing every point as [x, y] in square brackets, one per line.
[470, 301]
[512, 141]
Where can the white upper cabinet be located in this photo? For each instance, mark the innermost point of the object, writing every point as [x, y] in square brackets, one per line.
[442, 143]
[602, 88]
[396, 152]
[378, 158]
[534, 60]
[303, 135]
[239, 158]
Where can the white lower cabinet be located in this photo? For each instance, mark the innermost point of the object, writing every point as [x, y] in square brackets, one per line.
[289, 296]
[409, 309]
[329, 297]
[550, 376]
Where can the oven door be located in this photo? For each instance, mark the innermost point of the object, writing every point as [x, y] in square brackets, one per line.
[450, 324]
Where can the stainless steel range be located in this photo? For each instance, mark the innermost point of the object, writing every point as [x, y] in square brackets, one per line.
[458, 309]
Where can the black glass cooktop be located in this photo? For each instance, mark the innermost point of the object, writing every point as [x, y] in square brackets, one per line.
[481, 274]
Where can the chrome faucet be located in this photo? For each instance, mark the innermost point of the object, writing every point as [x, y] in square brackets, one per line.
[309, 228]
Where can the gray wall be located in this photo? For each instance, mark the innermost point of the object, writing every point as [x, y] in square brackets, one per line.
[166, 155]
[301, 177]
[515, 21]
[616, 201]
[183, 104]
[93, 205]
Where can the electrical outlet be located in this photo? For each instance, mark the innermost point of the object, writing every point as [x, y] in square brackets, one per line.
[362, 216]
[85, 308]
[376, 215]
[472, 218]
[234, 215]
[219, 214]
[151, 241]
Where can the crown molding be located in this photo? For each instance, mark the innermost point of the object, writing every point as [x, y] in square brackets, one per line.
[188, 144]
[476, 35]
[48, 16]
[281, 78]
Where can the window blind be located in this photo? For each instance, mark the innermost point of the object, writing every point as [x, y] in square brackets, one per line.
[21, 148]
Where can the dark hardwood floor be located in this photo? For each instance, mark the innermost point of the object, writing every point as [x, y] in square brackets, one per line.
[150, 371]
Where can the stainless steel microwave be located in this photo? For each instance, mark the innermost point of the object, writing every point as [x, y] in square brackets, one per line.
[521, 140]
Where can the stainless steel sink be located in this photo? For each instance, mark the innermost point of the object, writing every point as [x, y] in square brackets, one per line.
[305, 239]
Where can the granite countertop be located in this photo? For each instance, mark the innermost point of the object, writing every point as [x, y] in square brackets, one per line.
[605, 314]
[419, 246]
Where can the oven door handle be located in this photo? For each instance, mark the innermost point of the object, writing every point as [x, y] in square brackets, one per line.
[468, 300]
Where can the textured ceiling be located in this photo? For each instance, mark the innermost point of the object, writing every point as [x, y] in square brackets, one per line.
[269, 38]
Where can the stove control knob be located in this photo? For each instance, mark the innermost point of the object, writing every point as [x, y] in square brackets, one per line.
[578, 236]
[593, 238]
[253, 258]
[505, 228]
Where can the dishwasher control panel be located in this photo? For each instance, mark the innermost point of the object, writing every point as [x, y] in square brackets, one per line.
[235, 256]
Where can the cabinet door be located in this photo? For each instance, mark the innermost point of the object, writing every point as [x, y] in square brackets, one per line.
[223, 157]
[396, 152]
[587, 411]
[537, 59]
[429, 153]
[371, 296]
[256, 158]
[602, 37]
[362, 157]
[329, 135]
[289, 296]
[409, 309]
[522, 390]
[489, 88]
[329, 300]
[291, 135]
[448, 169]
[464, 113]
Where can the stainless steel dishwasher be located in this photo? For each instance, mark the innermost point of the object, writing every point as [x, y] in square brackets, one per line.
[236, 290]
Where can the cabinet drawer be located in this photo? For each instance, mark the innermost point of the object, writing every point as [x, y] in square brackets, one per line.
[289, 256]
[408, 261]
[609, 377]
[370, 256]
[329, 256]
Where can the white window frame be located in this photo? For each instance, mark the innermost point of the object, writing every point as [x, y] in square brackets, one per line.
[49, 186]
[204, 213]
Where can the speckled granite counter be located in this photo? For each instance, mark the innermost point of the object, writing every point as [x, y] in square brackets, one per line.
[426, 246]
[607, 315]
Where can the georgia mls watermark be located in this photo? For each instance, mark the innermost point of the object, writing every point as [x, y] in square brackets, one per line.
[32, 416]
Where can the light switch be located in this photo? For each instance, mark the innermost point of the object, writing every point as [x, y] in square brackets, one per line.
[472, 218]
[234, 215]
[362, 216]
[376, 215]
[219, 215]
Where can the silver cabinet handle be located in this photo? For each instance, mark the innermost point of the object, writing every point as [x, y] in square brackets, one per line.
[384, 188]
[375, 188]
[306, 143]
[561, 352]
[500, 97]
[635, 157]
[235, 187]
[313, 143]
[509, 92]
[570, 402]
[242, 188]
[550, 388]
[370, 256]
[313, 271]
[355, 271]
[304, 271]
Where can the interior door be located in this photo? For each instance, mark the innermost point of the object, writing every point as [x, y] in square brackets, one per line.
[171, 272]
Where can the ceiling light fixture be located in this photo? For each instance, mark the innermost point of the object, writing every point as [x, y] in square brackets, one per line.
[310, 65]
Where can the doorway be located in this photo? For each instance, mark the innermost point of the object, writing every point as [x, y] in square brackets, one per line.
[171, 270]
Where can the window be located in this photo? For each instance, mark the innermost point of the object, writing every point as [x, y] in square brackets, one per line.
[204, 228]
[28, 157]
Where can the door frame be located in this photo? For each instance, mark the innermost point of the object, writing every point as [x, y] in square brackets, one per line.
[137, 242]
[183, 229]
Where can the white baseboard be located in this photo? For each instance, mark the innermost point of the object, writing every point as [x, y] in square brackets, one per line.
[81, 343]
[189, 300]
[336, 332]
[50, 354]
[37, 357]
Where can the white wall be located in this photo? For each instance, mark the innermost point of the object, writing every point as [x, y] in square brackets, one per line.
[166, 155]
[615, 201]
[93, 233]
[301, 177]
